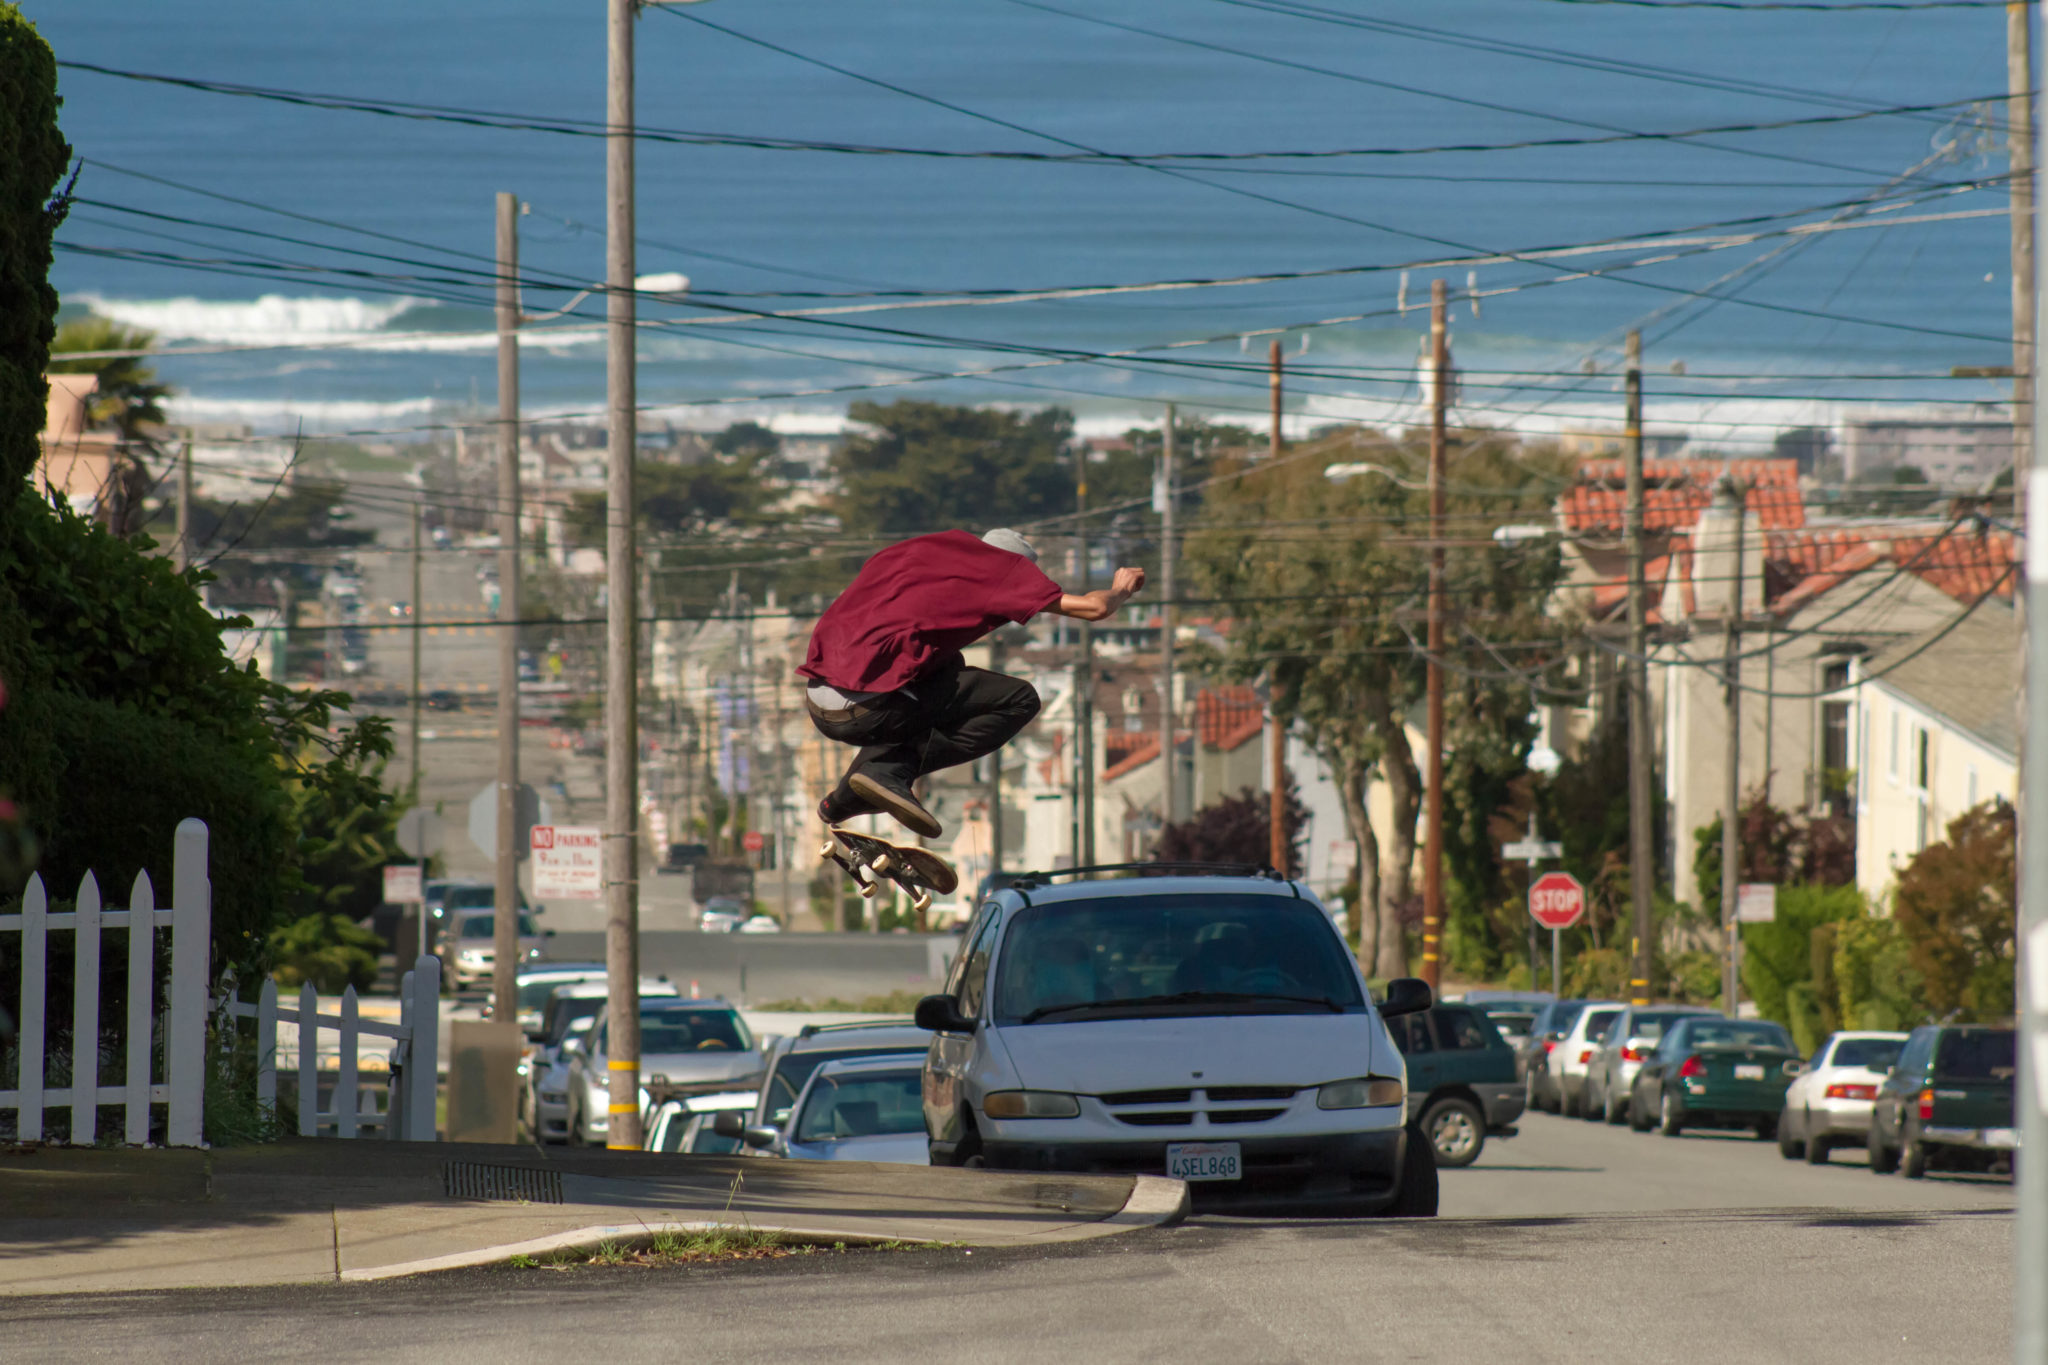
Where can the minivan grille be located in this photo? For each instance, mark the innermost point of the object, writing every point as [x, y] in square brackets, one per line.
[1124, 1105]
[1250, 1092]
[1244, 1115]
[1148, 1097]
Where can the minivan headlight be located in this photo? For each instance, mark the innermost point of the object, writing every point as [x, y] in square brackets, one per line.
[1366, 1092]
[1031, 1104]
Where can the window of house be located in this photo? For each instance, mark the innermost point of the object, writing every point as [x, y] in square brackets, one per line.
[1891, 762]
[1921, 744]
[1970, 785]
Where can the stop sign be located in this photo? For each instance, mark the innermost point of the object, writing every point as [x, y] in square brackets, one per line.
[753, 841]
[1556, 900]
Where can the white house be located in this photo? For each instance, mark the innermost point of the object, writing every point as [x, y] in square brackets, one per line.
[1937, 734]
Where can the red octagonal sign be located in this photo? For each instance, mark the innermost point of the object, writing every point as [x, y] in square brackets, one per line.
[753, 841]
[1556, 900]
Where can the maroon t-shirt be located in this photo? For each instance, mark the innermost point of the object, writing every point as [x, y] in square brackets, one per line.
[914, 606]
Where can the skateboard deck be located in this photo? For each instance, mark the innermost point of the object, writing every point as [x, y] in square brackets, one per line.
[870, 861]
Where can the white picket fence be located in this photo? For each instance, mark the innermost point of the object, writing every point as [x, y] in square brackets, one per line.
[182, 1089]
[408, 1112]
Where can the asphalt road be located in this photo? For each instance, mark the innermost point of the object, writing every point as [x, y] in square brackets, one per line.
[1572, 1242]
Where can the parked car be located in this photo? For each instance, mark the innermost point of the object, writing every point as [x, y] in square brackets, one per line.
[1574, 1053]
[1210, 1028]
[1947, 1104]
[538, 982]
[760, 924]
[442, 699]
[1532, 1055]
[1711, 1072]
[1611, 1070]
[1512, 1012]
[721, 915]
[681, 858]
[1828, 1103]
[1461, 1079]
[471, 932]
[684, 1124]
[571, 1009]
[792, 1060]
[863, 1109]
[683, 1043]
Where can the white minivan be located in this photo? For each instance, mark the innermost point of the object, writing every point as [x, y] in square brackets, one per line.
[1213, 1028]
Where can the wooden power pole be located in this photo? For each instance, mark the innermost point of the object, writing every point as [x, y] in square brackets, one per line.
[184, 556]
[1731, 805]
[1084, 686]
[1641, 860]
[1276, 737]
[1169, 756]
[1433, 792]
[505, 917]
[2019, 113]
[621, 642]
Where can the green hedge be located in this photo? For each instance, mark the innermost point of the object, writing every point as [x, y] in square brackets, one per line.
[30, 169]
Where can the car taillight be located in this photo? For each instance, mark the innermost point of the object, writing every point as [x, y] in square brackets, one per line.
[1549, 1046]
[1926, 1105]
[1693, 1067]
[1586, 1056]
[1631, 1054]
[1853, 1092]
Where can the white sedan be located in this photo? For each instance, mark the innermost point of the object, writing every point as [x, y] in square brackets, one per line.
[1828, 1103]
[761, 924]
[861, 1109]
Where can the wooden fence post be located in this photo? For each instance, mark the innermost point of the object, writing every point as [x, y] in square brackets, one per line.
[266, 1048]
[85, 1015]
[191, 945]
[345, 1085]
[423, 1064]
[35, 956]
[309, 1061]
[141, 1007]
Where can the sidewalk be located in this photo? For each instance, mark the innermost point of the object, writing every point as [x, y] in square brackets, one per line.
[75, 1219]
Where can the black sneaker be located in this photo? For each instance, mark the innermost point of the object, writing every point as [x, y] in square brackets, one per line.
[841, 805]
[895, 801]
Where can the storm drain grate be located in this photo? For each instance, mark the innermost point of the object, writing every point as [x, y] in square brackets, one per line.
[522, 1184]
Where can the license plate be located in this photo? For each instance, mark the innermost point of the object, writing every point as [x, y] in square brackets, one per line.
[1748, 1071]
[2004, 1138]
[1203, 1161]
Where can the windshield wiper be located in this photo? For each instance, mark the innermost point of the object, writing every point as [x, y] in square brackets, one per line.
[1183, 998]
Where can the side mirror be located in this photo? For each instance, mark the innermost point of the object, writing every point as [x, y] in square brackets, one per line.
[1405, 995]
[729, 1123]
[572, 1046]
[759, 1135]
[941, 1014]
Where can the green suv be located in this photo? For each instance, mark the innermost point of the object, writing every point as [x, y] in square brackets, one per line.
[1947, 1103]
[1462, 1087]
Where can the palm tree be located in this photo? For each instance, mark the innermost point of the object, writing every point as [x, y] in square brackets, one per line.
[128, 398]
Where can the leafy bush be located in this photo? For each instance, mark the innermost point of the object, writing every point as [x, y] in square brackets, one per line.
[1954, 905]
[29, 172]
[1597, 974]
[331, 951]
[1236, 829]
[1779, 955]
[1876, 984]
[1693, 977]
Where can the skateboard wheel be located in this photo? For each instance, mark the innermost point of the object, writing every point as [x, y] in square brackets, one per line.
[867, 891]
[921, 902]
[825, 849]
[883, 862]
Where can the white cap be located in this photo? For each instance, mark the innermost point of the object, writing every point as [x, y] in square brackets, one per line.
[1003, 538]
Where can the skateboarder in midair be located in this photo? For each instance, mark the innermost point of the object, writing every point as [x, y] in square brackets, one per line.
[885, 672]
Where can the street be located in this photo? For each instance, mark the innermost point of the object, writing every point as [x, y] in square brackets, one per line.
[1571, 1242]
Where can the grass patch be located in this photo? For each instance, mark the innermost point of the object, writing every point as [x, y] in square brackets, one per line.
[697, 1247]
[903, 1001]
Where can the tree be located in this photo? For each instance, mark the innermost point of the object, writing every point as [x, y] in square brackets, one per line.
[128, 397]
[1325, 584]
[1954, 905]
[932, 467]
[36, 155]
[1236, 829]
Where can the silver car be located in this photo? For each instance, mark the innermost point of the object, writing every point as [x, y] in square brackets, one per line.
[1828, 1103]
[683, 1044]
[571, 1010]
[1567, 1062]
[684, 1125]
[475, 950]
[1611, 1071]
[868, 1109]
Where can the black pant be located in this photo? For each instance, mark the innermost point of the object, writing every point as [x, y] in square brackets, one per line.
[951, 717]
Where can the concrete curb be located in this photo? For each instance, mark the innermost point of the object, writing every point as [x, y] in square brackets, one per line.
[1155, 1201]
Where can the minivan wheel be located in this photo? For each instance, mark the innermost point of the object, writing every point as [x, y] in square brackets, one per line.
[1670, 1120]
[1456, 1132]
[1415, 1195]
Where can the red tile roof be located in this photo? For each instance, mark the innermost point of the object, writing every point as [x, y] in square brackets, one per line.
[1226, 717]
[1137, 758]
[1677, 491]
[1964, 564]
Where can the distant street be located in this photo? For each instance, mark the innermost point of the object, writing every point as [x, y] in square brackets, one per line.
[1570, 1243]
[779, 966]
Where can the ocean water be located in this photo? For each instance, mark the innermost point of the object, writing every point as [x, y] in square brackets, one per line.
[1818, 325]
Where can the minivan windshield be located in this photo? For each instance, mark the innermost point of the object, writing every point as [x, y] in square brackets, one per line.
[1171, 954]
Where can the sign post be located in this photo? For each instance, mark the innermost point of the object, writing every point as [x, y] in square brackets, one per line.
[1532, 851]
[1556, 901]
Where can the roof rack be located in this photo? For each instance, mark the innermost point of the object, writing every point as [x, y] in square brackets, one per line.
[813, 1030]
[1031, 881]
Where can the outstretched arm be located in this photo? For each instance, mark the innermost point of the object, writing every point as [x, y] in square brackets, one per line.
[1103, 603]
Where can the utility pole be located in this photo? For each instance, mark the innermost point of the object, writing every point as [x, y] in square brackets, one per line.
[505, 918]
[622, 653]
[1433, 793]
[995, 779]
[184, 557]
[1169, 550]
[1084, 688]
[2030, 1307]
[1276, 734]
[413, 724]
[1641, 862]
[1731, 807]
[2019, 112]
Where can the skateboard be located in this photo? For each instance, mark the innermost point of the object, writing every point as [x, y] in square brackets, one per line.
[870, 861]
